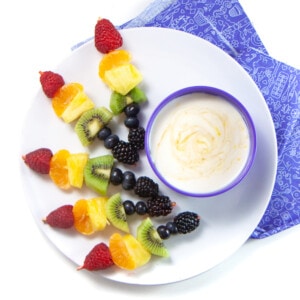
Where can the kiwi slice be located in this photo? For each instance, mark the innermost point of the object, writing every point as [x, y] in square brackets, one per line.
[147, 235]
[115, 212]
[90, 123]
[118, 102]
[97, 173]
[137, 95]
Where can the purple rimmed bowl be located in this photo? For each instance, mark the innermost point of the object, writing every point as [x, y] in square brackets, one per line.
[200, 141]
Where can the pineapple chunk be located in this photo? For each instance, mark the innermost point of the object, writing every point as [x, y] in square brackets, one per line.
[76, 163]
[123, 78]
[79, 104]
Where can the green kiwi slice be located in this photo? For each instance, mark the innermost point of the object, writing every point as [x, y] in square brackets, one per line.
[137, 95]
[90, 123]
[97, 173]
[115, 212]
[118, 101]
[147, 235]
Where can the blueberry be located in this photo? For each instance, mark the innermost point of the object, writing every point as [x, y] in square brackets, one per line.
[111, 141]
[163, 232]
[141, 208]
[116, 176]
[172, 227]
[131, 110]
[104, 133]
[132, 122]
[129, 207]
[129, 180]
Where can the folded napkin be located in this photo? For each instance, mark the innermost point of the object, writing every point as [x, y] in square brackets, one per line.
[225, 24]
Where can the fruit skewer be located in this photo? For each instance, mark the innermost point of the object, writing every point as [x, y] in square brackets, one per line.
[129, 252]
[88, 216]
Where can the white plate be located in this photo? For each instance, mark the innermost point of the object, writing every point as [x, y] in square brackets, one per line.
[169, 60]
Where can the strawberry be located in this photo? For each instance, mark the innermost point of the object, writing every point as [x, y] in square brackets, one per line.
[107, 37]
[99, 258]
[39, 160]
[51, 82]
[62, 217]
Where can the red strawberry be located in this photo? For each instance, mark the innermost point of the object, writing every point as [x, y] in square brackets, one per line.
[51, 82]
[99, 258]
[107, 37]
[62, 217]
[39, 160]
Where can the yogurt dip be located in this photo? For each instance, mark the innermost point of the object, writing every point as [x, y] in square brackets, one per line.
[199, 143]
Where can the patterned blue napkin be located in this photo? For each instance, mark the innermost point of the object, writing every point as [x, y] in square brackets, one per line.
[225, 24]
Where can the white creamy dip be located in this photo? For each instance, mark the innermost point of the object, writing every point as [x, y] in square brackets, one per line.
[200, 143]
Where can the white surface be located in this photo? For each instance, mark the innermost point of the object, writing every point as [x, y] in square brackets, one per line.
[36, 35]
[227, 219]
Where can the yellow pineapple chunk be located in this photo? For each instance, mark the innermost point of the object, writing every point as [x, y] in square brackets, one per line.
[96, 212]
[123, 78]
[79, 104]
[76, 163]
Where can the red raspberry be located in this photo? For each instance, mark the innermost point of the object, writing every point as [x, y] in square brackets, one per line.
[61, 217]
[51, 82]
[99, 258]
[107, 37]
[39, 160]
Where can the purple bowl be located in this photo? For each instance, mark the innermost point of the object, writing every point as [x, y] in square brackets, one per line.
[201, 183]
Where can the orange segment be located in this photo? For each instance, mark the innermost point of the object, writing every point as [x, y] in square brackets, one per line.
[89, 215]
[81, 218]
[64, 96]
[113, 59]
[59, 170]
[127, 253]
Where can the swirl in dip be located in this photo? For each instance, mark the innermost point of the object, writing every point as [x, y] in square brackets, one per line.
[199, 143]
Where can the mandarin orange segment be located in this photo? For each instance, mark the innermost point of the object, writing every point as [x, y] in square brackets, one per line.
[89, 215]
[127, 253]
[64, 96]
[82, 221]
[59, 169]
[113, 59]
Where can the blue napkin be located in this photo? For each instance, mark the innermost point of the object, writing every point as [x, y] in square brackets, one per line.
[225, 24]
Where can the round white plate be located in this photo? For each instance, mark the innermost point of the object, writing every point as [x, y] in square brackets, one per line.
[169, 60]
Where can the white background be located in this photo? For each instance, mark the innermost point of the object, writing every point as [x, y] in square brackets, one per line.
[37, 35]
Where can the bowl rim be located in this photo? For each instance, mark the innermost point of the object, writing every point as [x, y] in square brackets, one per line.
[240, 108]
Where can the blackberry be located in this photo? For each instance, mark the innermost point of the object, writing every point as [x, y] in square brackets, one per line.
[159, 206]
[125, 152]
[186, 222]
[146, 187]
[136, 136]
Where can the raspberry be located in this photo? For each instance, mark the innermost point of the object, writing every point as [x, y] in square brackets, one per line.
[124, 152]
[51, 82]
[159, 206]
[61, 217]
[146, 187]
[99, 258]
[39, 160]
[136, 136]
[186, 222]
[107, 37]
